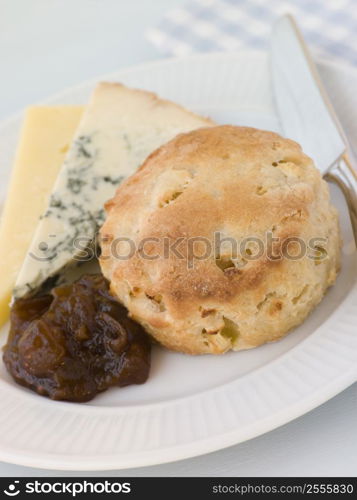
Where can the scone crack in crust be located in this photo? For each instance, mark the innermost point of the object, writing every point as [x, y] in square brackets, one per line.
[242, 184]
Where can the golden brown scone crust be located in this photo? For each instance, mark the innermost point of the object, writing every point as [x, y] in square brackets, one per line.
[240, 182]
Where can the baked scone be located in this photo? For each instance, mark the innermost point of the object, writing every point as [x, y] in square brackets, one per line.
[168, 241]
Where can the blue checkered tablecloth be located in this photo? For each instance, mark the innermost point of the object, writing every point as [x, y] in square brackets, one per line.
[329, 26]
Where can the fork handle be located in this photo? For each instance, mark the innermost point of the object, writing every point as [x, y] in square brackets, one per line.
[344, 175]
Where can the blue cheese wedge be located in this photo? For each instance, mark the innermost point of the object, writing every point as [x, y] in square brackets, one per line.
[118, 130]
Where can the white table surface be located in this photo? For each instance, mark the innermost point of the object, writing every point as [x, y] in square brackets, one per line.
[47, 45]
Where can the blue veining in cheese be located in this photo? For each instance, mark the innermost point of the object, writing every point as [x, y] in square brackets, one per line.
[119, 128]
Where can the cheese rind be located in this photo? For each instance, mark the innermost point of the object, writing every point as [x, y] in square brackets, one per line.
[119, 129]
[44, 139]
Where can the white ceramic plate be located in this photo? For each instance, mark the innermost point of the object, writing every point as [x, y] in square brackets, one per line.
[193, 405]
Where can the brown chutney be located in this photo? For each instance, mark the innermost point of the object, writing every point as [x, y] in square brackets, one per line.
[75, 342]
